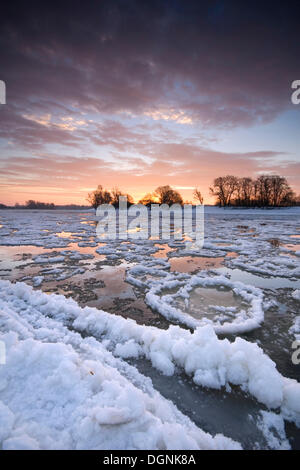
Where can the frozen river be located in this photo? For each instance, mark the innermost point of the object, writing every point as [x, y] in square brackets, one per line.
[184, 348]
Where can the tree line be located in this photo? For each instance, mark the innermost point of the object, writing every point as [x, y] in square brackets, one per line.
[264, 191]
[162, 195]
[104, 196]
[31, 204]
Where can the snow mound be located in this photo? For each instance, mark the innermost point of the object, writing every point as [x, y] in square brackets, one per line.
[60, 391]
[211, 362]
[52, 398]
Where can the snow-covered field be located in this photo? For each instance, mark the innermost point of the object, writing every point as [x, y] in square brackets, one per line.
[149, 344]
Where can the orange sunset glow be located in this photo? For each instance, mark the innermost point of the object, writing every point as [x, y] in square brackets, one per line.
[141, 108]
[149, 229]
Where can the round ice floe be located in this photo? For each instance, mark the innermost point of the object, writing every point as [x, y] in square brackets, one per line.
[240, 306]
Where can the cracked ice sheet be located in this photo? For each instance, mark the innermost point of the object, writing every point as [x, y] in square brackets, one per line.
[211, 362]
[251, 242]
[265, 241]
[44, 228]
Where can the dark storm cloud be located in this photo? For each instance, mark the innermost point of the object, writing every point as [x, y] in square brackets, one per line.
[222, 63]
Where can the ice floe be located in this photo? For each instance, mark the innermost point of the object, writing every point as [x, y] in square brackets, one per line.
[226, 320]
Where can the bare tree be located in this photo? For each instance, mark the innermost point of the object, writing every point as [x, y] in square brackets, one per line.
[247, 190]
[224, 188]
[116, 193]
[148, 199]
[265, 191]
[99, 196]
[130, 199]
[280, 190]
[218, 190]
[198, 196]
[231, 185]
[168, 195]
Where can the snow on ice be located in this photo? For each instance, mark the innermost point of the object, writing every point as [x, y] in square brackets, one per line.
[38, 318]
[67, 382]
[58, 390]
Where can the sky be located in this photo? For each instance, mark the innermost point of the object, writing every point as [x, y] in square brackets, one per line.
[140, 94]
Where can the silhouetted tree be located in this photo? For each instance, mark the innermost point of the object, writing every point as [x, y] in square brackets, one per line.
[265, 191]
[148, 199]
[224, 189]
[103, 196]
[168, 195]
[31, 204]
[99, 196]
[246, 190]
[116, 193]
[198, 196]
